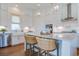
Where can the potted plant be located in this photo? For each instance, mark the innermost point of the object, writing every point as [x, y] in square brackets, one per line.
[2, 29]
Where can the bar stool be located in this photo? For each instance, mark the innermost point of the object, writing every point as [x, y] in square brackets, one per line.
[31, 41]
[46, 45]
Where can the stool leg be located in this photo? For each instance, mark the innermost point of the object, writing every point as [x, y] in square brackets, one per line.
[45, 53]
[33, 49]
[39, 52]
[57, 48]
[30, 49]
[26, 48]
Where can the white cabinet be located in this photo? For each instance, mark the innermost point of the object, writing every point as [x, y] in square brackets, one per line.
[17, 38]
[4, 39]
[78, 42]
[0, 41]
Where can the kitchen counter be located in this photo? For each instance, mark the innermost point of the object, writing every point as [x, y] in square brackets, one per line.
[67, 42]
[17, 38]
[4, 39]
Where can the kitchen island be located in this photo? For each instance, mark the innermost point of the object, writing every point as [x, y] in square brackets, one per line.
[67, 42]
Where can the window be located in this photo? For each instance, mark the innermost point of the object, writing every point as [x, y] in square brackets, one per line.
[15, 19]
[15, 26]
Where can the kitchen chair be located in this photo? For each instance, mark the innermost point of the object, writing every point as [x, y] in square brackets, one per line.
[31, 41]
[46, 45]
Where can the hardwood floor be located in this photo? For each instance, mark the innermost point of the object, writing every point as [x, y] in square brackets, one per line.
[14, 51]
[77, 51]
[17, 51]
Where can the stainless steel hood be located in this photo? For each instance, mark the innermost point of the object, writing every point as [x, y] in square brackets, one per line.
[69, 14]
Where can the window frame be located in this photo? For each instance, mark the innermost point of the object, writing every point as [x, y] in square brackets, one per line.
[15, 22]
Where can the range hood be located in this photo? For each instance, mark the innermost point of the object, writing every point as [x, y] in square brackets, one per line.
[69, 14]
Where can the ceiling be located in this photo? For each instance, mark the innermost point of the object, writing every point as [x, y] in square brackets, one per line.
[29, 8]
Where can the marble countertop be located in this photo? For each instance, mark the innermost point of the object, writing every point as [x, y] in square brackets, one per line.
[58, 36]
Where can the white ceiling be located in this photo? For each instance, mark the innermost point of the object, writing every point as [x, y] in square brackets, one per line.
[29, 8]
[30, 5]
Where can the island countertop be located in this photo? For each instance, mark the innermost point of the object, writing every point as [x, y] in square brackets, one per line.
[57, 36]
[67, 42]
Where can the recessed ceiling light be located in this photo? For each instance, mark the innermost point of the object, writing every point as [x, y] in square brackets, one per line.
[38, 4]
[56, 7]
[38, 13]
[16, 5]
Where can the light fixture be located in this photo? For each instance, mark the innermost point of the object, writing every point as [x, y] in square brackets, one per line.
[38, 13]
[56, 7]
[38, 4]
[60, 28]
[26, 29]
[16, 5]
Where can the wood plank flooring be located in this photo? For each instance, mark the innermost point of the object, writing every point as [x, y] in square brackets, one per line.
[17, 51]
[14, 51]
[77, 51]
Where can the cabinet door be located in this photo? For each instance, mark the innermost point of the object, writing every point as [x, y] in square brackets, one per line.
[18, 39]
[14, 40]
[0, 42]
[21, 39]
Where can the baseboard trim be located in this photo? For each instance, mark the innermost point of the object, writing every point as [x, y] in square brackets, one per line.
[17, 44]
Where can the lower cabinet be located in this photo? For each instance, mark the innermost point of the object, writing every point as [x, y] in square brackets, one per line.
[4, 39]
[17, 39]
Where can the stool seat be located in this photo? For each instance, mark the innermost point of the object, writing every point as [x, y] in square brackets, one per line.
[46, 44]
[31, 41]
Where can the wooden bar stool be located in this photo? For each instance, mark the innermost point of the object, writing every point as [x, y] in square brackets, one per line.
[46, 45]
[31, 41]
